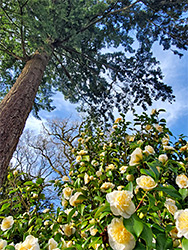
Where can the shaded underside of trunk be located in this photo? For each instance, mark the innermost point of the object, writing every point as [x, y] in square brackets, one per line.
[16, 106]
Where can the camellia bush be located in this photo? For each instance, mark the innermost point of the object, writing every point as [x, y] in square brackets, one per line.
[127, 189]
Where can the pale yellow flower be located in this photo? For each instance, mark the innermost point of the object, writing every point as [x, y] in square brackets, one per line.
[182, 181]
[181, 217]
[67, 192]
[136, 157]
[65, 178]
[123, 169]
[46, 210]
[30, 243]
[67, 211]
[163, 158]
[119, 237]
[146, 182]
[130, 177]
[148, 127]
[149, 150]
[74, 199]
[93, 231]
[78, 158]
[110, 167]
[7, 223]
[106, 185]
[3, 243]
[70, 243]
[159, 128]
[121, 203]
[86, 178]
[82, 152]
[68, 229]
[153, 111]
[98, 173]
[64, 202]
[165, 140]
[119, 188]
[118, 120]
[52, 244]
[131, 138]
[170, 205]
[184, 148]
[168, 148]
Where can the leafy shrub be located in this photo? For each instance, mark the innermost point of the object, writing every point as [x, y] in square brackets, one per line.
[126, 189]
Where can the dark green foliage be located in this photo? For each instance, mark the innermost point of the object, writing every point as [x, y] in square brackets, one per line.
[75, 33]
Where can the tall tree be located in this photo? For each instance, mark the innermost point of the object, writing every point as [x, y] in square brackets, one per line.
[56, 45]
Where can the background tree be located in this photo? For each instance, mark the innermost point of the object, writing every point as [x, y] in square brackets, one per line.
[49, 46]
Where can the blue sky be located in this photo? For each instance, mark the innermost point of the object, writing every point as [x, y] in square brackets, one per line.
[175, 71]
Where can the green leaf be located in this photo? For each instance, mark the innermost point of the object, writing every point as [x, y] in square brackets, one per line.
[185, 244]
[147, 236]
[69, 217]
[183, 192]
[102, 208]
[163, 243]
[86, 158]
[129, 187]
[40, 181]
[5, 206]
[170, 190]
[9, 247]
[134, 225]
[28, 183]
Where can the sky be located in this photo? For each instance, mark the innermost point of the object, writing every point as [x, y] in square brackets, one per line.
[175, 71]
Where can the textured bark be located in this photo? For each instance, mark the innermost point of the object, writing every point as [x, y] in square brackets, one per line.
[16, 106]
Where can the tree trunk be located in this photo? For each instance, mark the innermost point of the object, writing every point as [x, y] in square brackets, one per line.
[16, 106]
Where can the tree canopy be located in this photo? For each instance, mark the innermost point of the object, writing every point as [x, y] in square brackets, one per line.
[76, 34]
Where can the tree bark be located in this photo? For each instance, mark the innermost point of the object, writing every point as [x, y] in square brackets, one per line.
[16, 106]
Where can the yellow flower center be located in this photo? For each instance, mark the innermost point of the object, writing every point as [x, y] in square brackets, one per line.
[183, 182]
[183, 221]
[147, 182]
[120, 234]
[122, 199]
[6, 224]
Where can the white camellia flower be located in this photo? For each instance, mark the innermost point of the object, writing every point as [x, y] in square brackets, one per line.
[123, 169]
[159, 127]
[149, 150]
[74, 199]
[86, 178]
[163, 158]
[78, 158]
[3, 243]
[146, 182]
[165, 140]
[121, 203]
[67, 211]
[93, 231]
[7, 223]
[30, 243]
[68, 229]
[136, 157]
[67, 192]
[46, 210]
[181, 217]
[119, 237]
[65, 178]
[52, 244]
[170, 205]
[106, 185]
[110, 167]
[182, 181]
[82, 152]
[168, 148]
